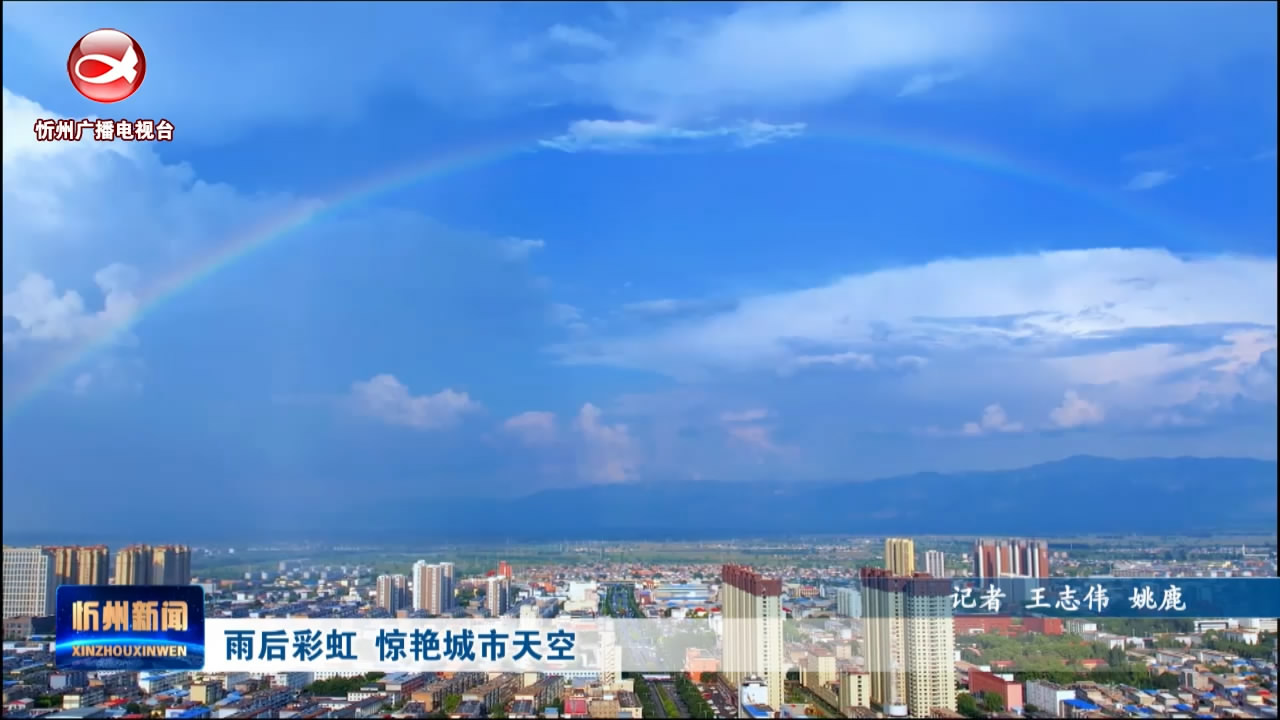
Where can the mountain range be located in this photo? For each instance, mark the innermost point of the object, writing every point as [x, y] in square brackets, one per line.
[1078, 495]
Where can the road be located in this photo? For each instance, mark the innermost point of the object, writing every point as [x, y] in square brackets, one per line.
[618, 600]
[669, 689]
[655, 701]
[722, 699]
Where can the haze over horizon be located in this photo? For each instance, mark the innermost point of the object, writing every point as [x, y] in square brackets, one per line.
[615, 245]
[999, 502]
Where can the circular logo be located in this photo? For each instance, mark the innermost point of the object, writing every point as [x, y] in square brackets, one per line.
[106, 66]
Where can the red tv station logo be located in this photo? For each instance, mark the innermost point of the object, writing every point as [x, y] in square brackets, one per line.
[106, 66]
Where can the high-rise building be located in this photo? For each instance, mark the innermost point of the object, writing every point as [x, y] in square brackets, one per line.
[80, 565]
[401, 590]
[133, 565]
[392, 592]
[504, 569]
[900, 556]
[818, 670]
[446, 587]
[849, 602]
[884, 635]
[429, 587]
[931, 646]
[92, 565]
[1010, 558]
[497, 595]
[65, 564]
[910, 641]
[935, 563]
[610, 659]
[855, 689]
[751, 608]
[29, 582]
[171, 565]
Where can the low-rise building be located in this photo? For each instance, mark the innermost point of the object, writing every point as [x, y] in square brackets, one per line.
[1046, 696]
[1005, 686]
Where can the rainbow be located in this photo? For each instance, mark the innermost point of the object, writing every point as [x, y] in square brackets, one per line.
[301, 214]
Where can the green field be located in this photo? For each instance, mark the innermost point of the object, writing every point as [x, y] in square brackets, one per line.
[474, 560]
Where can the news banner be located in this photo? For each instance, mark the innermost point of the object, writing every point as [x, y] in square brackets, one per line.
[165, 628]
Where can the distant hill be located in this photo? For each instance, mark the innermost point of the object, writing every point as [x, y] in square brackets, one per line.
[1074, 496]
[1077, 496]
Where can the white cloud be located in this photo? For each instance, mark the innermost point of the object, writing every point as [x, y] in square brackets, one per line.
[676, 61]
[1076, 411]
[578, 37]
[533, 427]
[385, 398]
[924, 82]
[117, 213]
[1150, 179]
[82, 383]
[38, 312]
[110, 374]
[71, 209]
[815, 52]
[1034, 301]
[608, 453]
[637, 136]
[759, 437]
[913, 362]
[855, 360]
[741, 416]
[515, 248]
[664, 306]
[567, 316]
[993, 419]
[1131, 329]
[744, 427]
[602, 453]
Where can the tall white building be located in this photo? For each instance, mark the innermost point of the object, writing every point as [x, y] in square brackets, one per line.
[497, 595]
[29, 582]
[910, 641]
[610, 659]
[931, 647]
[751, 607]
[428, 587]
[884, 635]
[934, 563]
[849, 602]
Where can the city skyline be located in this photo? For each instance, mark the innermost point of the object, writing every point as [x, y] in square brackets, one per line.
[595, 252]
[842, 641]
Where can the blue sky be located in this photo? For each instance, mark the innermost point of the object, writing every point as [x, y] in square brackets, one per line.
[686, 242]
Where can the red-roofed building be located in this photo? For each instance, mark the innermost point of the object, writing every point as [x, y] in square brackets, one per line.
[575, 707]
[1092, 663]
[697, 662]
[1043, 625]
[985, 682]
[971, 624]
[1001, 625]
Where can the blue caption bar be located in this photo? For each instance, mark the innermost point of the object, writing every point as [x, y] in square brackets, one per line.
[1113, 597]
